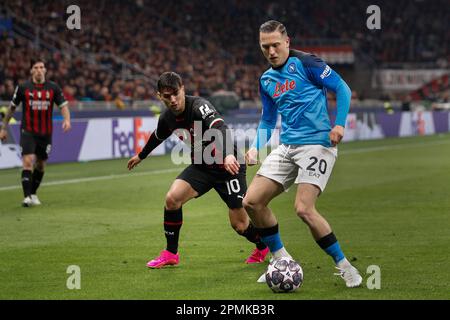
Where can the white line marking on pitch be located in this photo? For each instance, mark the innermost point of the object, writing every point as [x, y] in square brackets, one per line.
[108, 177]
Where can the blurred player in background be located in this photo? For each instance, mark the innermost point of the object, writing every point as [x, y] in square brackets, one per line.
[37, 97]
[227, 177]
[295, 86]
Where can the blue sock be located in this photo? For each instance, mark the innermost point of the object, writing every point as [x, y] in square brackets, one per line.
[335, 252]
[273, 242]
[271, 237]
[331, 246]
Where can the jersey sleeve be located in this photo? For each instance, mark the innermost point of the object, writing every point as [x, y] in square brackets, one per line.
[18, 96]
[161, 133]
[268, 120]
[269, 111]
[60, 100]
[163, 130]
[319, 73]
[205, 111]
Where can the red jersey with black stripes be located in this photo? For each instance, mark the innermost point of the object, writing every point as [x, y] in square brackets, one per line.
[37, 105]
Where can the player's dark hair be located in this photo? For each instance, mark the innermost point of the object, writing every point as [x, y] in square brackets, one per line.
[272, 26]
[34, 61]
[169, 80]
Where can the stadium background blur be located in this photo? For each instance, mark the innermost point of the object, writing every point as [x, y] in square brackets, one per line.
[124, 45]
[388, 197]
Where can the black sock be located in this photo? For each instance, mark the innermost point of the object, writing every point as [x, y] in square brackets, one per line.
[270, 231]
[252, 235]
[173, 219]
[26, 183]
[36, 180]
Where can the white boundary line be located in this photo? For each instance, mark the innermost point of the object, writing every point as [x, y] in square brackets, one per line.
[99, 178]
[128, 175]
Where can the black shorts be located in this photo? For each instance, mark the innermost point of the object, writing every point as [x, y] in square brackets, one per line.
[35, 144]
[230, 188]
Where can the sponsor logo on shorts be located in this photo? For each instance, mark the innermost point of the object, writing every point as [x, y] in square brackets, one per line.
[314, 174]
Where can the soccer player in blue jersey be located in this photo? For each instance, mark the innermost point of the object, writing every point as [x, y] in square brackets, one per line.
[295, 87]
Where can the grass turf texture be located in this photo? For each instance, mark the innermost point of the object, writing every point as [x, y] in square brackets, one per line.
[387, 201]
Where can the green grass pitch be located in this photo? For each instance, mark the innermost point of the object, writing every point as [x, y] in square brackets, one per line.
[388, 202]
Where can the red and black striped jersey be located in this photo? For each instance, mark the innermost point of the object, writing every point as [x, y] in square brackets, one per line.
[37, 105]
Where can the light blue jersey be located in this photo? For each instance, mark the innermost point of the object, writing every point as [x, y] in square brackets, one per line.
[298, 91]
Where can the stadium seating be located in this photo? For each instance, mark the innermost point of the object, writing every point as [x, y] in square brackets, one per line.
[123, 45]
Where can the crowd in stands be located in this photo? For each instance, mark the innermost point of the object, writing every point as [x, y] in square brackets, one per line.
[123, 46]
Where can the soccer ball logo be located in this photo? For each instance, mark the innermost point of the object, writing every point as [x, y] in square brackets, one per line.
[284, 275]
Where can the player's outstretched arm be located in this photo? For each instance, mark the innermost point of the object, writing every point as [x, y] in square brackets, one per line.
[151, 144]
[133, 162]
[263, 135]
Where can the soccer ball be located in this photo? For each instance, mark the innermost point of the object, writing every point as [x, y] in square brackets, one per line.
[284, 275]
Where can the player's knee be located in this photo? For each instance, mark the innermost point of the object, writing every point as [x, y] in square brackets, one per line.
[239, 226]
[251, 205]
[172, 202]
[27, 164]
[40, 165]
[304, 211]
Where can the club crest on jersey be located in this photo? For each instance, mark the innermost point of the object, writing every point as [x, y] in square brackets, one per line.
[292, 68]
[282, 88]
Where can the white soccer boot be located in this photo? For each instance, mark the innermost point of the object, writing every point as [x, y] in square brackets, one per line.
[262, 278]
[27, 202]
[35, 200]
[350, 275]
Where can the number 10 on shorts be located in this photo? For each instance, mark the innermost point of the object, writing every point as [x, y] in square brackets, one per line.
[233, 186]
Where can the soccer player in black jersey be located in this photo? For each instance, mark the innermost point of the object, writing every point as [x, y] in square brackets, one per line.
[224, 173]
[37, 97]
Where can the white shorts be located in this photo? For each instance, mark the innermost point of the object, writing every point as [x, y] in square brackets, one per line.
[300, 164]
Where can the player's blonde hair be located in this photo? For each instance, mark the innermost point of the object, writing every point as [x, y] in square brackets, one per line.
[272, 26]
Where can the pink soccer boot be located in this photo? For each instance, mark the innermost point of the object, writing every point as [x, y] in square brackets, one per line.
[257, 255]
[166, 258]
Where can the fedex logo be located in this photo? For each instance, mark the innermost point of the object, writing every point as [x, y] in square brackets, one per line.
[129, 135]
[122, 137]
[282, 88]
[141, 135]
